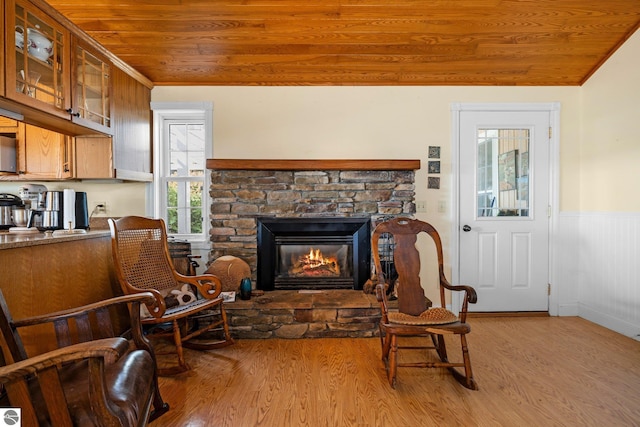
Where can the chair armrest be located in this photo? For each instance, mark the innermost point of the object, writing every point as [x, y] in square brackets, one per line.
[470, 296]
[63, 321]
[109, 349]
[208, 285]
[143, 297]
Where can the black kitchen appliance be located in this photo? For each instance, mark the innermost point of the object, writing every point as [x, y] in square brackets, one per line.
[82, 213]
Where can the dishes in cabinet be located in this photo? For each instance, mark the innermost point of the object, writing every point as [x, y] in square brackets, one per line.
[38, 45]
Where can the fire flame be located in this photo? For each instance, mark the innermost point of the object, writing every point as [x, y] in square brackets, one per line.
[315, 260]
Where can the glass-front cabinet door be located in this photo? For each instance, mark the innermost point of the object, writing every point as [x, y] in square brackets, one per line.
[92, 89]
[37, 59]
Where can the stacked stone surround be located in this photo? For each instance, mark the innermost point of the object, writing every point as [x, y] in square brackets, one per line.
[294, 315]
[239, 196]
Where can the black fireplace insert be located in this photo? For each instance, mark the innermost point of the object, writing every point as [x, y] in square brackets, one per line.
[313, 253]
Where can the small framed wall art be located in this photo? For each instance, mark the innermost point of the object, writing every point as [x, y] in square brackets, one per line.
[434, 166]
[433, 182]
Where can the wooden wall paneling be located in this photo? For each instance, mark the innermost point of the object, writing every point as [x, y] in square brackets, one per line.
[45, 278]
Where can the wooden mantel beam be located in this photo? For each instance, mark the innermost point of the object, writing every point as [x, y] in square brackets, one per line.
[283, 164]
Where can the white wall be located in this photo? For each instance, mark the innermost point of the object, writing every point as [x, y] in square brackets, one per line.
[606, 228]
[610, 133]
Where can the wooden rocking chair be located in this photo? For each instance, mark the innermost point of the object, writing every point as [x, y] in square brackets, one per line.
[91, 376]
[142, 263]
[413, 319]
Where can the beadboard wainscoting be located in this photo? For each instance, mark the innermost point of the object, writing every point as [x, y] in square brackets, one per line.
[598, 269]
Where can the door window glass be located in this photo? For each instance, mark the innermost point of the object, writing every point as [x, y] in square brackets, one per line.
[502, 172]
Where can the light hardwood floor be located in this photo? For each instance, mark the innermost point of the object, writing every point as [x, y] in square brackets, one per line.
[538, 371]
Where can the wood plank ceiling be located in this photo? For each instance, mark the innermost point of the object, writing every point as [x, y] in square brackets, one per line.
[359, 42]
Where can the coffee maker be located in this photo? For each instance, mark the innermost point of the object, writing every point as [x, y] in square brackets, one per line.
[52, 212]
[32, 196]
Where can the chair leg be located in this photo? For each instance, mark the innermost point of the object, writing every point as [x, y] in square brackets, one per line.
[225, 325]
[386, 346]
[217, 325]
[159, 405]
[177, 337]
[469, 382]
[441, 347]
[177, 340]
[467, 379]
[392, 365]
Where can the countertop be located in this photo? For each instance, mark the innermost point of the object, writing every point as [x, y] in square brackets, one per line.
[20, 240]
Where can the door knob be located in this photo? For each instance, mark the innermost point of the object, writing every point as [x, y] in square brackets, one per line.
[466, 228]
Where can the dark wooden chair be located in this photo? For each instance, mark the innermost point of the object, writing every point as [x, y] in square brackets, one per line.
[142, 263]
[94, 377]
[413, 318]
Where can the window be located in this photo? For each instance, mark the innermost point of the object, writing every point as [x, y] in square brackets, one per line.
[183, 143]
[184, 178]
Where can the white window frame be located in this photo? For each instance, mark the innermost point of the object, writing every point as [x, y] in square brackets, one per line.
[162, 113]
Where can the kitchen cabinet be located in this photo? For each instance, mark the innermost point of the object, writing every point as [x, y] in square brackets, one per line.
[37, 59]
[127, 154]
[94, 157]
[91, 89]
[41, 154]
[44, 155]
[132, 154]
[54, 71]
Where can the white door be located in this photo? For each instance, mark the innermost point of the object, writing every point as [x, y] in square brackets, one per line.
[503, 207]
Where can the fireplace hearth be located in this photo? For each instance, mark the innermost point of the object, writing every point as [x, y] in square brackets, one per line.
[313, 253]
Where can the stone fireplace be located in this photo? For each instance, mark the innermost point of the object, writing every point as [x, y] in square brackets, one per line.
[244, 190]
[246, 193]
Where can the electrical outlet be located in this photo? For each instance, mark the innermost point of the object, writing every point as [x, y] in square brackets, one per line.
[421, 206]
[101, 207]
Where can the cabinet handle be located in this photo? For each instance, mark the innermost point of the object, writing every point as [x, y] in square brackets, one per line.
[70, 111]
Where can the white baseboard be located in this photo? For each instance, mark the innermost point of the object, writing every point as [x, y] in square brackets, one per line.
[568, 309]
[619, 325]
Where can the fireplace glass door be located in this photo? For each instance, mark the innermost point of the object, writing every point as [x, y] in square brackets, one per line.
[314, 264]
[313, 253]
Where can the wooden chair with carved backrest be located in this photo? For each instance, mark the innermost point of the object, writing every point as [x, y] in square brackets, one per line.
[90, 376]
[190, 305]
[413, 318]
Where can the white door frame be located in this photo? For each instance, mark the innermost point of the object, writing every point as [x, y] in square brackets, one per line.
[554, 184]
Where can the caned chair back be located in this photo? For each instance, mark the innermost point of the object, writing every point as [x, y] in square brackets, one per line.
[144, 261]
